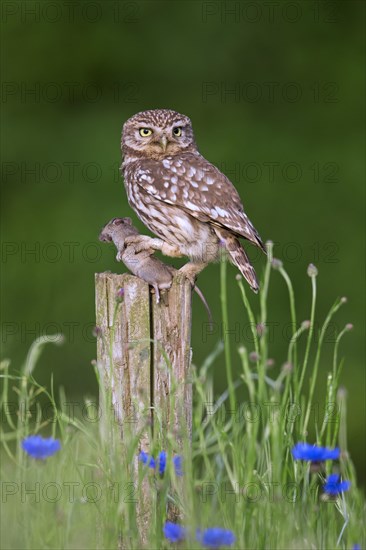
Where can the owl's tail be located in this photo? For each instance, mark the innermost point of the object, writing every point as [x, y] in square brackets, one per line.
[238, 257]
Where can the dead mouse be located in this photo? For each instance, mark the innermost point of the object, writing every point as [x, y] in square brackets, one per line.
[142, 264]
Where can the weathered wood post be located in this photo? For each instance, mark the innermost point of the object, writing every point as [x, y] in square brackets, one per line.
[144, 353]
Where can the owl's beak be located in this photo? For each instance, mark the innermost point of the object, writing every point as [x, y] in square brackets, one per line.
[163, 142]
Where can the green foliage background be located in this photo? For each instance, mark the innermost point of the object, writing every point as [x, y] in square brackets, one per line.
[142, 55]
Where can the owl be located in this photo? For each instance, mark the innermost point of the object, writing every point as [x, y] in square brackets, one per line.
[186, 201]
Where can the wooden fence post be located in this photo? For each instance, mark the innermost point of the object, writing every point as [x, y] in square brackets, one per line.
[144, 354]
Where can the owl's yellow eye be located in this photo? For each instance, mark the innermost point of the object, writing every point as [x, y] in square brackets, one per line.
[177, 131]
[145, 132]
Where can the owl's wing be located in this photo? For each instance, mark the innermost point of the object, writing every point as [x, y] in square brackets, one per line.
[199, 188]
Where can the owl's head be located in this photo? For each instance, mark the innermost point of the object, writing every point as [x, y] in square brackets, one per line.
[157, 134]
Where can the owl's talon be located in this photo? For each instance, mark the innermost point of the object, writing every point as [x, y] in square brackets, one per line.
[139, 243]
[131, 239]
[191, 278]
[191, 270]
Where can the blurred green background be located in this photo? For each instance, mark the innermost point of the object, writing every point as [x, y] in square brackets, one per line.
[275, 92]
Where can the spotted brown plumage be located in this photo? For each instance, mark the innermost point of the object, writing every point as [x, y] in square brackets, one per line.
[180, 196]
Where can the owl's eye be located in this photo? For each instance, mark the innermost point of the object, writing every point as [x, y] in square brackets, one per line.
[177, 131]
[145, 132]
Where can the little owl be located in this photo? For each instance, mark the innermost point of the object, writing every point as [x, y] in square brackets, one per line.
[181, 197]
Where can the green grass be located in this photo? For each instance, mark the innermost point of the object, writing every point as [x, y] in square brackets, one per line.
[238, 471]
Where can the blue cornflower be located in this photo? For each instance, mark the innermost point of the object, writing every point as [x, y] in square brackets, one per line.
[333, 485]
[174, 532]
[39, 447]
[215, 537]
[356, 547]
[305, 451]
[147, 459]
[161, 462]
